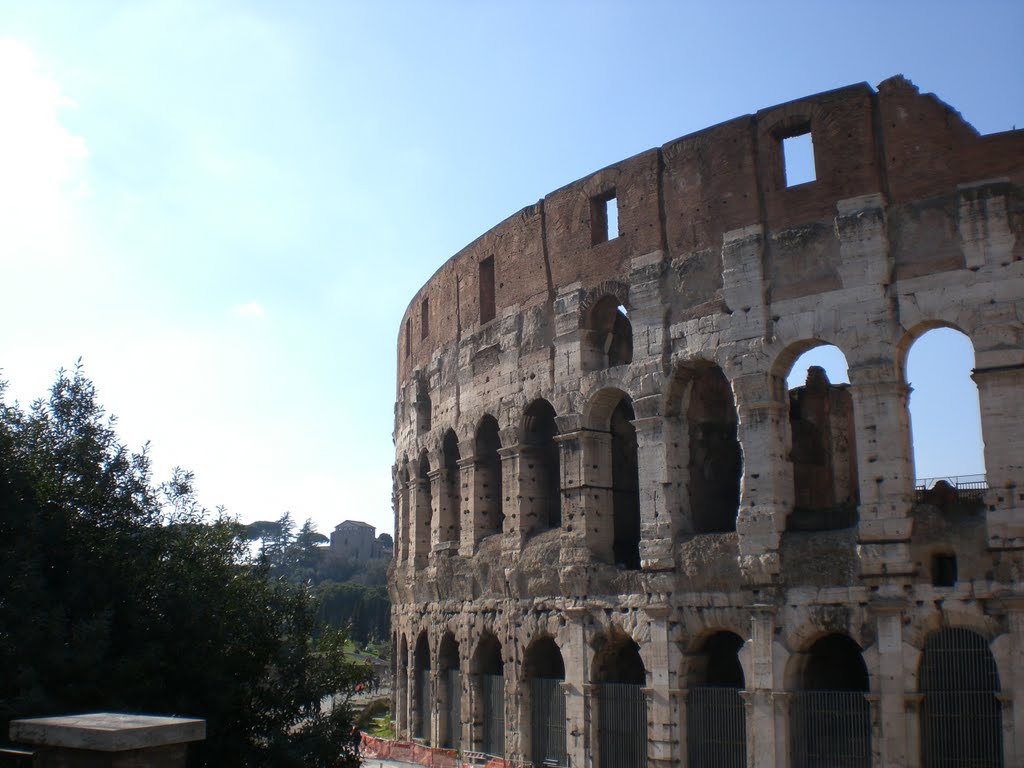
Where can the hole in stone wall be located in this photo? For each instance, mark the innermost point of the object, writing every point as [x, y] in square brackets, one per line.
[604, 217]
[798, 158]
[487, 307]
[944, 569]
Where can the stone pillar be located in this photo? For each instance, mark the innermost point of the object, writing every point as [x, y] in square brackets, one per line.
[444, 516]
[884, 468]
[766, 747]
[469, 509]
[1002, 424]
[515, 532]
[108, 740]
[1013, 688]
[587, 505]
[655, 518]
[576, 657]
[889, 689]
[422, 515]
[402, 524]
[659, 697]
[766, 494]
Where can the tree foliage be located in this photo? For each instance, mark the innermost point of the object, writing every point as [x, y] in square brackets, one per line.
[119, 594]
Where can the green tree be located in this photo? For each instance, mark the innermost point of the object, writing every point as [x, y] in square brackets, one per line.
[120, 594]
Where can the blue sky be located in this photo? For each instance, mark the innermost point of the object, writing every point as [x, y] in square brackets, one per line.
[224, 207]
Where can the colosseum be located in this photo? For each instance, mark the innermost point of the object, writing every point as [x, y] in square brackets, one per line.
[622, 540]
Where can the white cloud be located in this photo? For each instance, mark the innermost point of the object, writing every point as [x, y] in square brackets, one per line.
[39, 157]
[252, 309]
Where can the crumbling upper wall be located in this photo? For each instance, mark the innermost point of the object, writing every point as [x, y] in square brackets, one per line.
[682, 198]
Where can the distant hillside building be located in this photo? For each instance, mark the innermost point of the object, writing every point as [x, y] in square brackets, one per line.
[356, 540]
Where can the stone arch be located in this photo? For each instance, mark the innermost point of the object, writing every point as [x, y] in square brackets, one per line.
[488, 675]
[621, 703]
[830, 717]
[542, 702]
[606, 336]
[942, 403]
[822, 443]
[706, 447]
[615, 454]
[716, 727]
[402, 686]
[961, 714]
[541, 506]
[422, 689]
[449, 692]
[488, 508]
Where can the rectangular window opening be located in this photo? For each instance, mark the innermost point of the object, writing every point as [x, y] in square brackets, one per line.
[425, 319]
[604, 217]
[408, 336]
[487, 308]
[798, 158]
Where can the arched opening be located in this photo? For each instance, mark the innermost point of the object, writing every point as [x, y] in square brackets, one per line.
[402, 688]
[625, 486]
[540, 469]
[607, 335]
[489, 716]
[424, 409]
[945, 417]
[423, 512]
[823, 449]
[621, 705]
[716, 461]
[490, 518]
[422, 695]
[830, 718]
[961, 715]
[716, 721]
[544, 705]
[450, 693]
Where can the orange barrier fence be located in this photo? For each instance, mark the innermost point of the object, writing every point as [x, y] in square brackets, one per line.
[410, 752]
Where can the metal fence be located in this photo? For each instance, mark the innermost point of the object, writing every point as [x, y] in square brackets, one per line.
[830, 729]
[547, 722]
[494, 715]
[968, 488]
[423, 704]
[453, 730]
[622, 726]
[716, 728]
[961, 718]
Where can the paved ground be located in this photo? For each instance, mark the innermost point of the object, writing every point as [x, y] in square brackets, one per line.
[376, 762]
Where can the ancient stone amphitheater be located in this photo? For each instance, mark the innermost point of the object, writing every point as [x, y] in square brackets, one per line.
[622, 541]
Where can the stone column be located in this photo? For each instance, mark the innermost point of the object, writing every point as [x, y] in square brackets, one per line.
[586, 497]
[422, 515]
[1002, 424]
[443, 515]
[659, 709]
[576, 658]
[469, 508]
[511, 482]
[402, 524]
[890, 685]
[108, 740]
[765, 748]
[885, 469]
[655, 518]
[1013, 688]
[766, 495]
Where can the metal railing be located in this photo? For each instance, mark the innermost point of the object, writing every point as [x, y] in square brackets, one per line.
[716, 728]
[494, 714]
[830, 729]
[968, 488]
[961, 717]
[547, 723]
[622, 724]
[423, 705]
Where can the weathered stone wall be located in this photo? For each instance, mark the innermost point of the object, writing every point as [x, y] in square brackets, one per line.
[723, 273]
